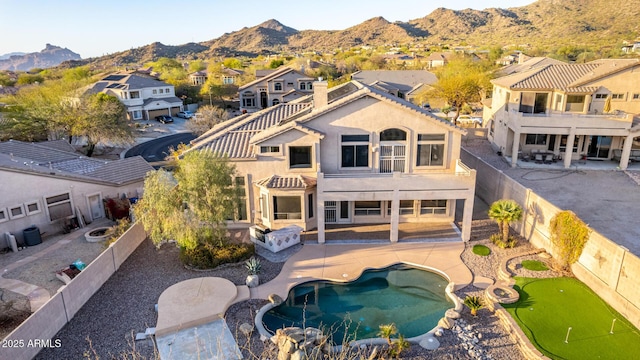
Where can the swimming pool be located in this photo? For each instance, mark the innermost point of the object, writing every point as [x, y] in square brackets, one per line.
[411, 298]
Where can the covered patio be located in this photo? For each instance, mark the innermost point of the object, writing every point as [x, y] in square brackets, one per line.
[407, 232]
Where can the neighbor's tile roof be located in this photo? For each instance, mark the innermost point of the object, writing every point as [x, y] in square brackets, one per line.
[403, 80]
[50, 159]
[172, 99]
[287, 182]
[550, 77]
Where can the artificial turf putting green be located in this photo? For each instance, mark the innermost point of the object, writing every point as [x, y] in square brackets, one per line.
[481, 250]
[534, 265]
[548, 307]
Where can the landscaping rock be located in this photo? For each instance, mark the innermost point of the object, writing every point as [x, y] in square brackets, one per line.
[246, 329]
[452, 314]
[275, 299]
[445, 323]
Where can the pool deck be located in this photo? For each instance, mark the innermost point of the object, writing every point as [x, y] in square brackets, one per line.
[345, 262]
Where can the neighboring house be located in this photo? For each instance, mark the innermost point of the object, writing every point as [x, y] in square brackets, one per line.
[438, 59]
[145, 97]
[631, 47]
[525, 63]
[48, 183]
[228, 76]
[405, 84]
[350, 155]
[274, 87]
[575, 111]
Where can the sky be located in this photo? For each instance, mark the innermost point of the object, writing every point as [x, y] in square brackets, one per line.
[94, 28]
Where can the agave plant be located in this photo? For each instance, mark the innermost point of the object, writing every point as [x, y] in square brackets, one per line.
[253, 265]
[474, 303]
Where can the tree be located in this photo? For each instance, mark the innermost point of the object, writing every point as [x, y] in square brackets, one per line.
[192, 207]
[569, 234]
[460, 82]
[102, 117]
[208, 117]
[504, 212]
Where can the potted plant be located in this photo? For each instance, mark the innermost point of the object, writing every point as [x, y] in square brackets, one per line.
[253, 267]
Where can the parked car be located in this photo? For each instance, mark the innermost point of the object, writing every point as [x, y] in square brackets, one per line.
[185, 114]
[470, 120]
[164, 119]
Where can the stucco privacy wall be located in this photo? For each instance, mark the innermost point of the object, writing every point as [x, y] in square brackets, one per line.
[607, 268]
[61, 308]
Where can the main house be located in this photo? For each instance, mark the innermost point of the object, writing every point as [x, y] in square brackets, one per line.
[48, 183]
[274, 87]
[351, 155]
[569, 111]
[145, 97]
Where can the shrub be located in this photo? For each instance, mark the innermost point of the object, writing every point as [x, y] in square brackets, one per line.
[569, 234]
[117, 230]
[481, 250]
[511, 242]
[207, 256]
[474, 303]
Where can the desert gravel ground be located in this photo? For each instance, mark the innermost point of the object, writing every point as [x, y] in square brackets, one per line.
[125, 306]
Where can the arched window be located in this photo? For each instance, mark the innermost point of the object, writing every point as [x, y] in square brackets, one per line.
[275, 102]
[310, 85]
[393, 135]
[277, 86]
[303, 86]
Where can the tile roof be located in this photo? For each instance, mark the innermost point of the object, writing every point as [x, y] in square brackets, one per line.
[268, 76]
[170, 100]
[125, 82]
[47, 158]
[233, 136]
[287, 182]
[532, 63]
[403, 80]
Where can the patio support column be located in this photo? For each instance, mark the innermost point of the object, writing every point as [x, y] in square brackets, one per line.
[467, 217]
[320, 201]
[568, 152]
[514, 148]
[395, 216]
[626, 152]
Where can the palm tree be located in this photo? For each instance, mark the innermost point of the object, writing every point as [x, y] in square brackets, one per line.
[387, 331]
[505, 212]
[474, 303]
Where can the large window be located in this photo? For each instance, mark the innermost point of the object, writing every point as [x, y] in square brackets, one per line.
[242, 198]
[430, 150]
[135, 94]
[59, 206]
[355, 150]
[248, 102]
[367, 208]
[277, 86]
[310, 206]
[299, 157]
[536, 139]
[563, 143]
[406, 207]
[575, 103]
[287, 208]
[433, 207]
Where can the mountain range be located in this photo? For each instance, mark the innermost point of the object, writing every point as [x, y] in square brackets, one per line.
[50, 56]
[546, 23]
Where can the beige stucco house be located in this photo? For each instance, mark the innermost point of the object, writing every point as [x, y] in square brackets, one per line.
[275, 87]
[48, 183]
[145, 97]
[569, 111]
[405, 84]
[350, 155]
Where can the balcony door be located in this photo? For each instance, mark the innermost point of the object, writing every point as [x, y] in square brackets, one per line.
[393, 151]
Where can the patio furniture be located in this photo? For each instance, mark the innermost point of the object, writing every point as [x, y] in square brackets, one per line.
[548, 159]
[538, 158]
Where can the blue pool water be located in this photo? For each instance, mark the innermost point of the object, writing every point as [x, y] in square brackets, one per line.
[413, 299]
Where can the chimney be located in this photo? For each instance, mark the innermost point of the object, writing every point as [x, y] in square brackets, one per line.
[320, 94]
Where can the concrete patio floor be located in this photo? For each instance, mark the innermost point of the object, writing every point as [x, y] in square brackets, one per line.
[345, 262]
[345, 233]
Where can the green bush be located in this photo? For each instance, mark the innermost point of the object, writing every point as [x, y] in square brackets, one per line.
[509, 244]
[207, 256]
[481, 250]
[534, 265]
